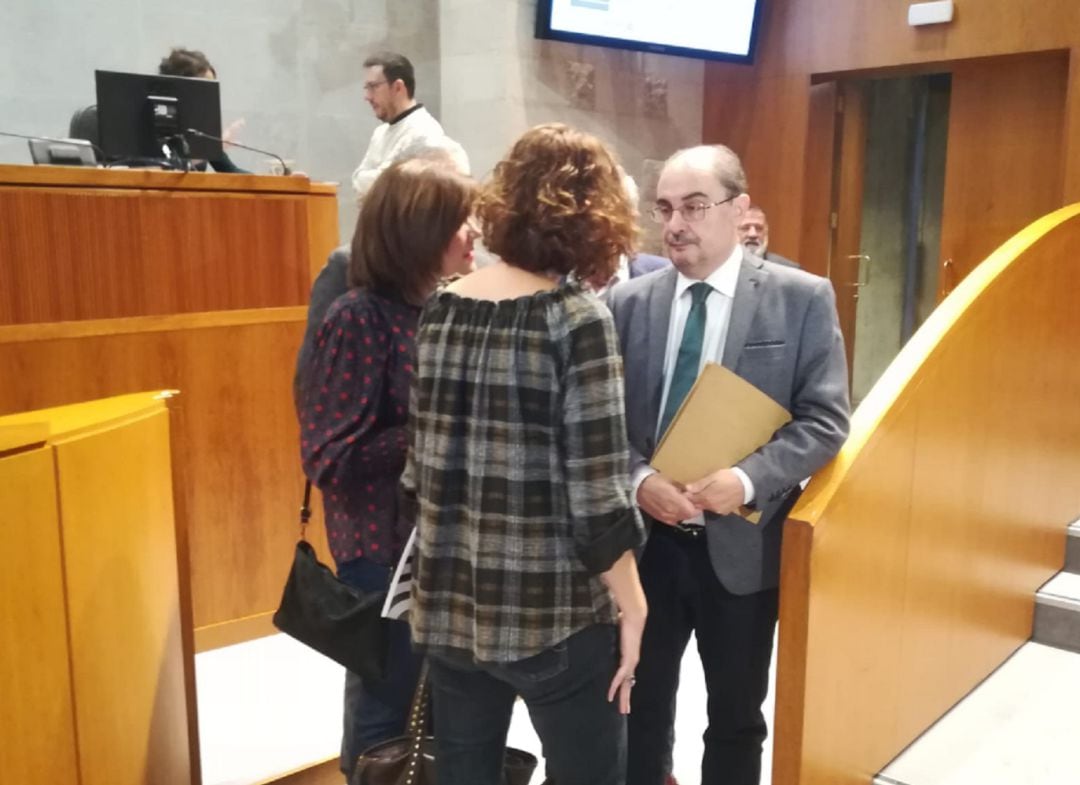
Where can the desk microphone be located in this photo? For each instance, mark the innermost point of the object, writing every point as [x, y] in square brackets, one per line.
[284, 166]
[53, 140]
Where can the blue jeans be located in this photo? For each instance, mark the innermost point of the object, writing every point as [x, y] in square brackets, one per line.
[377, 711]
[565, 689]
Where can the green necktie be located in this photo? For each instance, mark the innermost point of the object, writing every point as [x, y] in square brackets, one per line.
[688, 362]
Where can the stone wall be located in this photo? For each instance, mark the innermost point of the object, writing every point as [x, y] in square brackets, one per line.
[498, 81]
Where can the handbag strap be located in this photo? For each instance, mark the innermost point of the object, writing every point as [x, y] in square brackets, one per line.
[305, 510]
[417, 720]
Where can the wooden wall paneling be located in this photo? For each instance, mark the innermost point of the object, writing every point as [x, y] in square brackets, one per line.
[115, 490]
[857, 595]
[923, 566]
[810, 38]
[181, 479]
[1004, 161]
[235, 437]
[790, 703]
[1070, 174]
[39, 743]
[743, 114]
[847, 200]
[821, 151]
[323, 234]
[99, 253]
[849, 35]
[155, 179]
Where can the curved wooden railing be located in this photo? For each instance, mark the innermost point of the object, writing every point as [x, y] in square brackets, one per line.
[911, 562]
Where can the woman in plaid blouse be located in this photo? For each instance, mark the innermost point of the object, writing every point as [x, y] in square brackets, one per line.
[526, 582]
[353, 396]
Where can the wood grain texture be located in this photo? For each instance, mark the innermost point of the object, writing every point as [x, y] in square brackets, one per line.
[143, 179]
[102, 254]
[742, 114]
[1003, 167]
[847, 201]
[115, 491]
[323, 232]
[925, 555]
[803, 40]
[39, 743]
[98, 244]
[236, 440]
[815, 242]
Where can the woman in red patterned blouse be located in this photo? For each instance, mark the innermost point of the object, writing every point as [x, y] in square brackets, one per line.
[353, 398]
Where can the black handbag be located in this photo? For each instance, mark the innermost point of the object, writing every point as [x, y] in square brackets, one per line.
[331, 617]
[410, 759]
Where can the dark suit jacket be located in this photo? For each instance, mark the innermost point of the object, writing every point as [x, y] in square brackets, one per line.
[776, 258]
[784, 338]
[330, 283]
[646, 263]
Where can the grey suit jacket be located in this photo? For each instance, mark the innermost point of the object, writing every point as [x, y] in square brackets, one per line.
[784, 338]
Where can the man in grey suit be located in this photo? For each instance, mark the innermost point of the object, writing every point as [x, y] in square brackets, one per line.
[705, 568]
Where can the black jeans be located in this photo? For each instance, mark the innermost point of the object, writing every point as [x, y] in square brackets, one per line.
[565, 689]
[734, 637]
[377, 711]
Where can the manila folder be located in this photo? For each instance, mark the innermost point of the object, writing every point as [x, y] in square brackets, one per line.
[723, 419]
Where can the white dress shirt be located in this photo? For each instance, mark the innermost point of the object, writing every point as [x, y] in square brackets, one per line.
[718, 316]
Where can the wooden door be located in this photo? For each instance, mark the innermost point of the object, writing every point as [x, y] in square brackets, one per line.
[1004, 167]
[846, 198]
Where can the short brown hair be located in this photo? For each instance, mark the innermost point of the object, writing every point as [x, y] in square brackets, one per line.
[185, 62]
[394, 66]
[557, 204]
[406, 222]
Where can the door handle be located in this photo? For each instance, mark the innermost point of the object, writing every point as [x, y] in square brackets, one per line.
[860, 279]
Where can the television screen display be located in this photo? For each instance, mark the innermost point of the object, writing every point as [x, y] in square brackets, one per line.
[712, 29]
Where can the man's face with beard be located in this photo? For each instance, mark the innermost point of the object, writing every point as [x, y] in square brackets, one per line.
[754, 231]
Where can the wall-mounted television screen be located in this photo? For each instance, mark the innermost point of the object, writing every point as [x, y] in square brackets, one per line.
[711, 29]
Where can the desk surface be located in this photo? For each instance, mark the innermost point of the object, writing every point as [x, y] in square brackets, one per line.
[156, 179]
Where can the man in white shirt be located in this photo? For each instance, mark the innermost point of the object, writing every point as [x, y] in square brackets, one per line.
[706, 569]
[389, 87]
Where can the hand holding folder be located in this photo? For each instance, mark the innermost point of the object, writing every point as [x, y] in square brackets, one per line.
[723, 419]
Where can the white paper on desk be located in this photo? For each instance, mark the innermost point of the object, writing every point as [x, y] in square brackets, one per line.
[723, 419]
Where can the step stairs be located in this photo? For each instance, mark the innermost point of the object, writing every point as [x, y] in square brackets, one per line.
[1019, 727]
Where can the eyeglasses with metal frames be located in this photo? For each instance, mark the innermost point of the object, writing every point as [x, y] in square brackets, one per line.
[691, 212]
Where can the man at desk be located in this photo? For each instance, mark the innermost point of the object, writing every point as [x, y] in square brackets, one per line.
[389, 88]
[179, 62]
[705, 568]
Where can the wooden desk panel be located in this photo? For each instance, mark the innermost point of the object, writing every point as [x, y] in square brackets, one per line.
[38, 742]
[103, 254]
[115, 490]
[80, 244]
[236, 441]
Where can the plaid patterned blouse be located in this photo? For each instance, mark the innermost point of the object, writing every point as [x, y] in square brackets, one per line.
[518, 468]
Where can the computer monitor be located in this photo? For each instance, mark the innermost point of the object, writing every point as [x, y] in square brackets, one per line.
[146, 116]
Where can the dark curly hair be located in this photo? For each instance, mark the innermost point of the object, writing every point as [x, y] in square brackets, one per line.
[556, 204]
